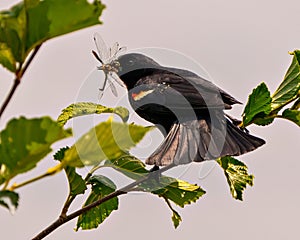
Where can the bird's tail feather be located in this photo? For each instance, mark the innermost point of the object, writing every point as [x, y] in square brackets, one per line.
[198, 140]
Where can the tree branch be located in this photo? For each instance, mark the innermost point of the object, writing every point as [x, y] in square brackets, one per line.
[130, 187]
[17, 81]
[9, 97]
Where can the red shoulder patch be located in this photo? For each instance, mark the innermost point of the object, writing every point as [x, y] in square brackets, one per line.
[141, 94]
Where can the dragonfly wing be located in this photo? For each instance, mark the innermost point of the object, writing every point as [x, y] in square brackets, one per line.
[116, 78]
[121, 50]
[112, 86]
[114, 50]
[100, 95]
[101, 47]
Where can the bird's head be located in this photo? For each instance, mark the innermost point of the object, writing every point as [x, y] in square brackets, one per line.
[133, 66]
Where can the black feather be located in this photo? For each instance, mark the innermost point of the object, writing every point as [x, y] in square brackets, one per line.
[188, 107]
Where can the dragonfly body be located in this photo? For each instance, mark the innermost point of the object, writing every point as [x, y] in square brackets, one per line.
[109, 65]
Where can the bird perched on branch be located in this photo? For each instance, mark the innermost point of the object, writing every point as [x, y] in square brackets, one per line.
[188, 109]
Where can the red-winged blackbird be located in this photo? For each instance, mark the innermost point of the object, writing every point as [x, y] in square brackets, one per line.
[187, 108]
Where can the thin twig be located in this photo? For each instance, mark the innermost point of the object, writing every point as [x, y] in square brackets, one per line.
[17, 81]
[62, 220]
[6, 184]
[50, 172]
[18, 185]
[71, 198]
[66, 206]
[9, 97]
[130, 187]
[31, 57]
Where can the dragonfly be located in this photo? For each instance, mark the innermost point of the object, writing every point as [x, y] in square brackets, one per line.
[109, 63]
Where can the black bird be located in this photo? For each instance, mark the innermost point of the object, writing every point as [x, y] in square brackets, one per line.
[188, 109]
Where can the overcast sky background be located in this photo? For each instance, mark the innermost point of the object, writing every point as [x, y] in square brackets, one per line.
[240, 44]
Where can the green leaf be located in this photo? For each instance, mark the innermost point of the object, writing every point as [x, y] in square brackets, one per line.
[6, 58]
[175, 190]
[129, 166]
[2, 179]
[69, 15]
[292, 115]
[176, 218]
[263, 120]
[9, 199]
[24, 142]
[237, 176]
[290, 86]
[259, 102]
[101, 187]
[76, 183]
[296, 105]
[12, 31]
[108, 140]
[32, 22]
[178, 191]
[86, 108]
[59, 155]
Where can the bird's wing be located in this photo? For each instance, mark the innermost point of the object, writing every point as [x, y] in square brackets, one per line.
[178, 92]
[204, 84]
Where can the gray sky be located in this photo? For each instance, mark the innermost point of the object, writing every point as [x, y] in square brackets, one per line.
[240, 44]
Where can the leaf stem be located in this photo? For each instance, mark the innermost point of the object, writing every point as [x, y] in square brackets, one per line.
[19, 74]
[270, 116]
[277, 109]
[18, 185]
[296, 105]
[66, 218]
[50, 172]
[5, 184]
[169, 204]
